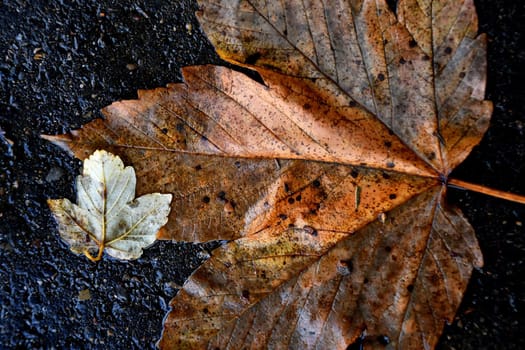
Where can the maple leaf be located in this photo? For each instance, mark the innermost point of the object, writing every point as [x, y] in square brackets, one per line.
[329, 180]
[107, 217]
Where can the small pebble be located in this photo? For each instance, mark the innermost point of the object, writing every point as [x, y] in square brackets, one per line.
[55, 173]
[84, 295]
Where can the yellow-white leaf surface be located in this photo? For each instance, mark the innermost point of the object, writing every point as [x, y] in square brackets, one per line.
[107, 217]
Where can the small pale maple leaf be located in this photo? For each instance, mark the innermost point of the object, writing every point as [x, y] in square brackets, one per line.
[107, 217]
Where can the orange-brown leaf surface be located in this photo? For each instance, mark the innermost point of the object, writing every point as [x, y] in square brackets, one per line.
[329, 180]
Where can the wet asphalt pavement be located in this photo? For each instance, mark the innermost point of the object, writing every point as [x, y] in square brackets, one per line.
[61, 61]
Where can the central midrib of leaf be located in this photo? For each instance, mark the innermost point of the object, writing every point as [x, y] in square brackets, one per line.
[433, 67]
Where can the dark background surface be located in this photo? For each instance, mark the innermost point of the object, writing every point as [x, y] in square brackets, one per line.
[61, 61]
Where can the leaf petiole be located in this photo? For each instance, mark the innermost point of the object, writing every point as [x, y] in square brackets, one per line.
[99, 255]
[463, 185]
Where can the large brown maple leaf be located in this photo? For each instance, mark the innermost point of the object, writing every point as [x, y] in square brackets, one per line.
[328, 181]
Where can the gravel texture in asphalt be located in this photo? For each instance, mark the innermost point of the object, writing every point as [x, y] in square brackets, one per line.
[61, 61]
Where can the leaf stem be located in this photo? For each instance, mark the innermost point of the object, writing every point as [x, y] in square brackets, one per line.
[486, 190]
[99, 255]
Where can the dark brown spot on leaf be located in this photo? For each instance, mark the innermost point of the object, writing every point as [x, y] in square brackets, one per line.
[246, 294]
[253, 58]
[180, 127]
